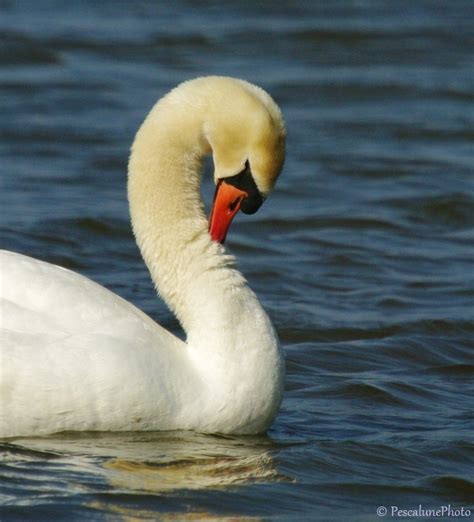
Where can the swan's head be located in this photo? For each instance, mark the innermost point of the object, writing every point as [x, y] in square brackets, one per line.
[246, 133]
[235, 121]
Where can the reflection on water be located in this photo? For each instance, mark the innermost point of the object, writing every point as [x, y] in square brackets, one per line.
[191, 474]
[151, 462]
[131, 476]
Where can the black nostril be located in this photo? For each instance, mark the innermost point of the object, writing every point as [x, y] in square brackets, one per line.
[234, 203]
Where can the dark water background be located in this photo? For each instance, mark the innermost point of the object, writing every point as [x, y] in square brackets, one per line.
[363, 256]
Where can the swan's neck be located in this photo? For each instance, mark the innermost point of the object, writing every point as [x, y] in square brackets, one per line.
[193, 274]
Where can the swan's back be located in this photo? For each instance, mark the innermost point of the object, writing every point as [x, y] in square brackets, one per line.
[41, 298]
[67, 343]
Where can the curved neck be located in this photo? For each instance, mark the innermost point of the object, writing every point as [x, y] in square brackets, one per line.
[192, 273]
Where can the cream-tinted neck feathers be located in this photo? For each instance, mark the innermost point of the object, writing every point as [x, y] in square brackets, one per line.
[233, 120]
[229, 337]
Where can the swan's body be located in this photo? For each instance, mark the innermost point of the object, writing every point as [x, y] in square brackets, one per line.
[77, 357]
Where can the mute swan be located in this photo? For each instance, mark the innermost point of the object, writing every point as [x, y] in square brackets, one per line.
[77, 357]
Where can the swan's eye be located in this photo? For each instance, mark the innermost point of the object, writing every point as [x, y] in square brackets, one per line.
[244, 181]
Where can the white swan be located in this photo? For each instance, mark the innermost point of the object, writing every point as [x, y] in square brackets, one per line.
[77, 357]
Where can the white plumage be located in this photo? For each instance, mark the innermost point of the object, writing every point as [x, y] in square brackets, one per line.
[77, 357]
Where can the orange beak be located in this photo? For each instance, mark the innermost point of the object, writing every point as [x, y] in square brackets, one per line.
[227, 200]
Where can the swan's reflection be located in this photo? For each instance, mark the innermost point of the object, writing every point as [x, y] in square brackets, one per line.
[199, 473]
[165, 461]
[195, 462]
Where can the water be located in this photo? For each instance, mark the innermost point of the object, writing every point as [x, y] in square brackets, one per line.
[362, 257]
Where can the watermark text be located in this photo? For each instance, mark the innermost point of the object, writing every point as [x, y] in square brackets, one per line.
[421, 511]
